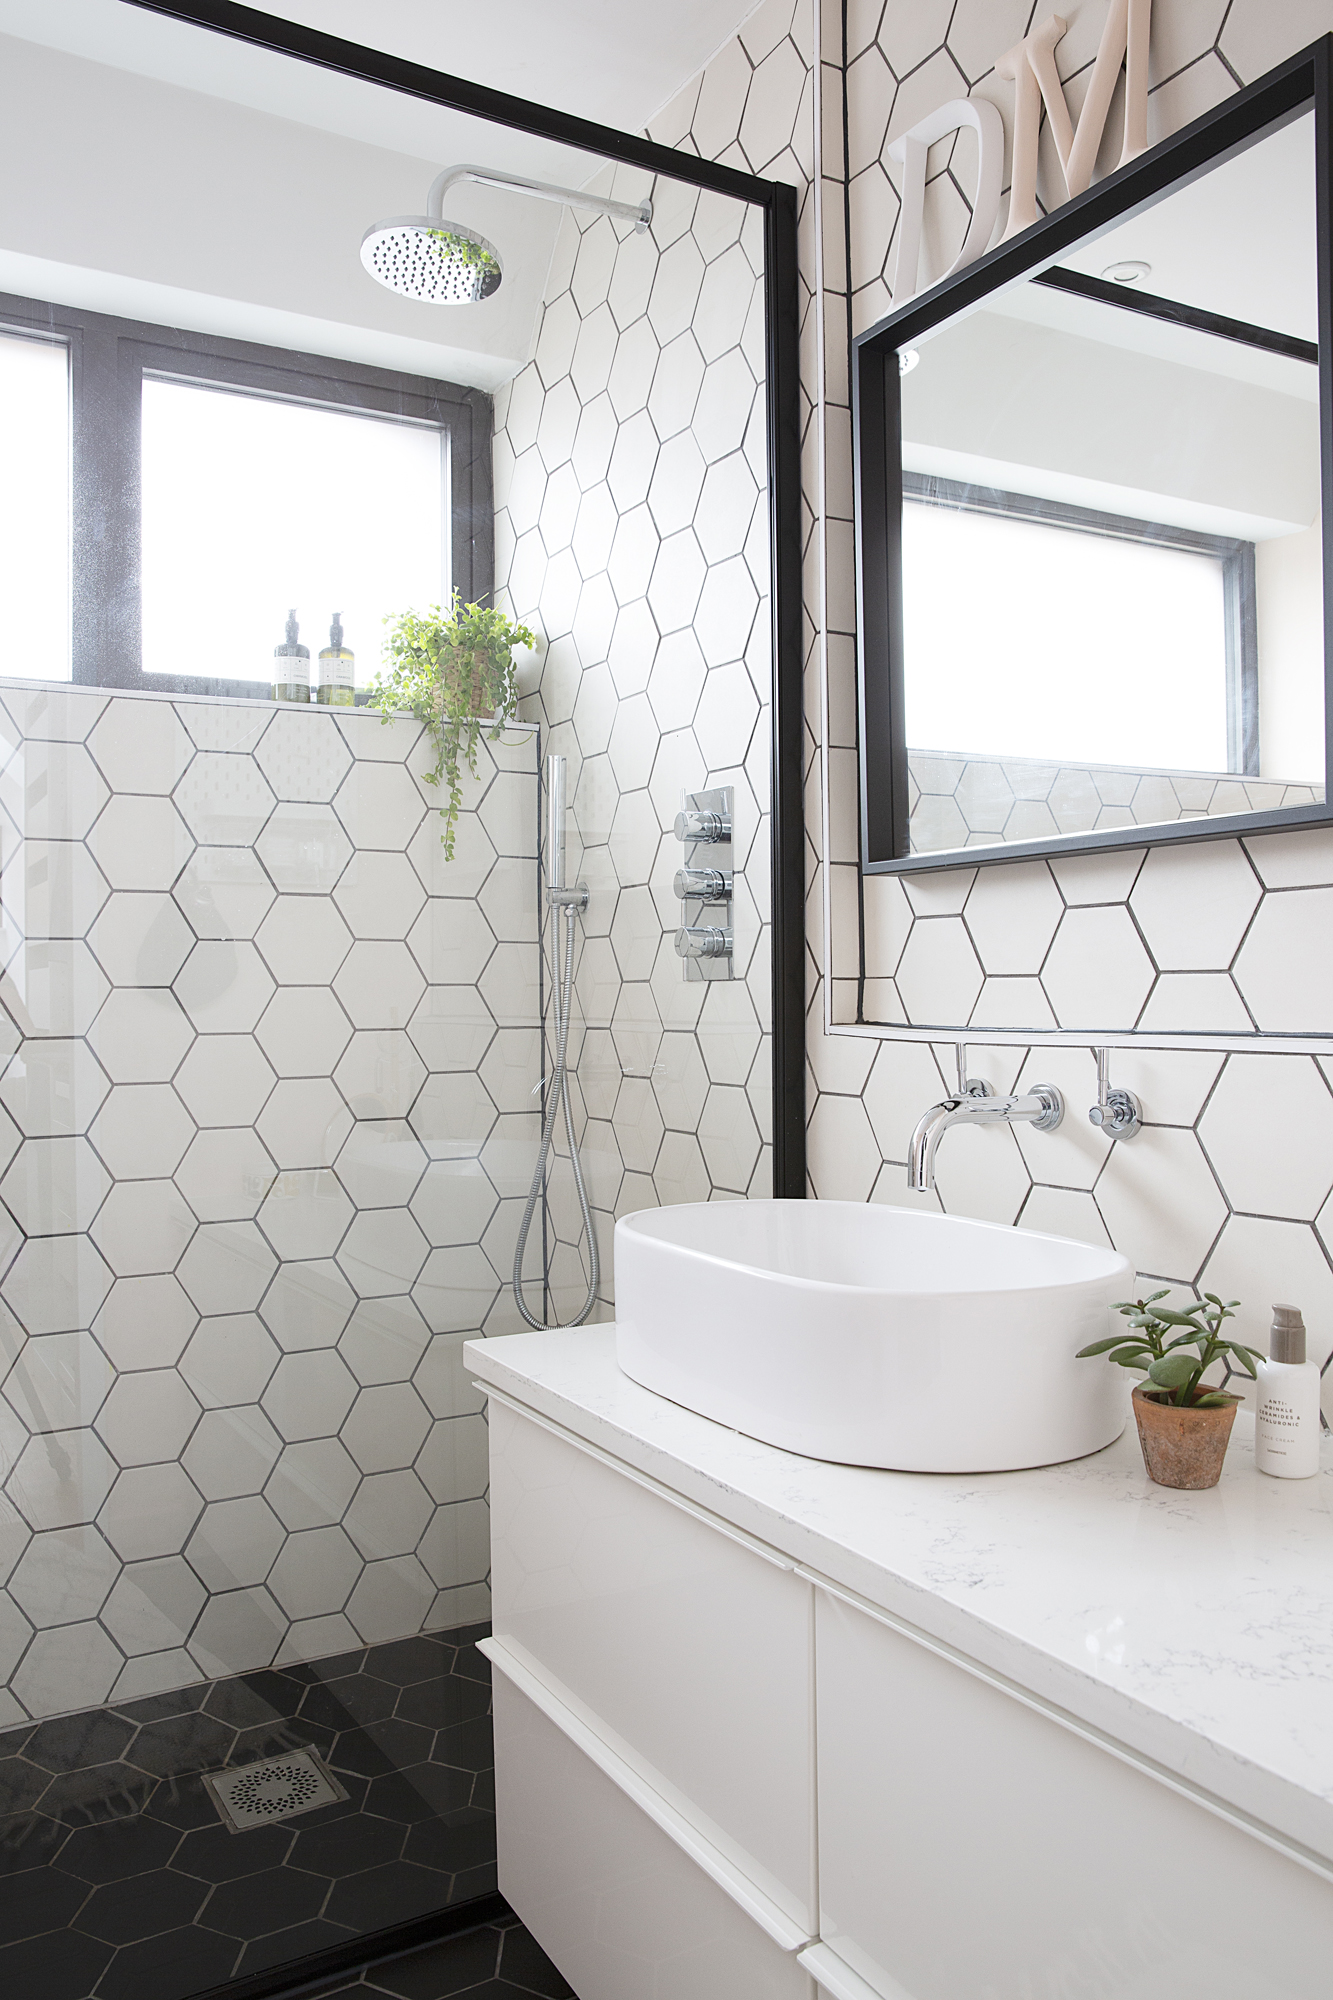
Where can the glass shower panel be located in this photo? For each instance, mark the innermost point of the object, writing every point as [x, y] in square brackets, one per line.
[633, 527]
[270, 1060]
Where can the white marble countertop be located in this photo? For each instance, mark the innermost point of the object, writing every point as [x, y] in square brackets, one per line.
[1194, 1628]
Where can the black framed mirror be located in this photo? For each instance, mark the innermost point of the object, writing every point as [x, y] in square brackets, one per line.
[1092, 470]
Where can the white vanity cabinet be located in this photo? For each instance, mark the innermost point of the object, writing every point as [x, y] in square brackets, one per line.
[973, 1848]
[726, 1772]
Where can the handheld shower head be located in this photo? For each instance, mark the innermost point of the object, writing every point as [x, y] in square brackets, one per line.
[424, 257]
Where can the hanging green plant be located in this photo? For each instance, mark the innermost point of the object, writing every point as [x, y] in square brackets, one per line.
[455, 673]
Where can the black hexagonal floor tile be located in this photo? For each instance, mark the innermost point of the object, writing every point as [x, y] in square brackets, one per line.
[31, 1904]
[173, 1966]
[272, 1900]
[347, 1846]
[60, 1966]
[118, 1848]
[216, 1854]
[21, 1785]
[407, 1661]
[76, 1742]
[125, 1912]
[383, 1896]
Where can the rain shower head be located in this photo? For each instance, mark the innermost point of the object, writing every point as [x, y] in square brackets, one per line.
[424, 257]
[437, 261]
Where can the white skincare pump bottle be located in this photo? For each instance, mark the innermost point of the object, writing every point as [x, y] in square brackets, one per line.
[1286, 1418]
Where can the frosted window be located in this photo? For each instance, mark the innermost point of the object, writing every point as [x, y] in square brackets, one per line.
[252, 505]
[34, 507]
[1027, 640]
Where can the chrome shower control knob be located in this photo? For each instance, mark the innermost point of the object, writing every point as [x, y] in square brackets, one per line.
[703, 885]
[1119, 1117]
[709, 826]
[703, 941]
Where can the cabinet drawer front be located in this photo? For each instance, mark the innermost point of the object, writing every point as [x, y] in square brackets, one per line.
[690, 1649]
[973, 1849]
[621, 1910]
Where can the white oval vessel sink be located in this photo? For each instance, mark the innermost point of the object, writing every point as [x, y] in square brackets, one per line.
[871, 1335]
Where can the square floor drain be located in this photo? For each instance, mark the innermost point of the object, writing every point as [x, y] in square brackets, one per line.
[278, 1788]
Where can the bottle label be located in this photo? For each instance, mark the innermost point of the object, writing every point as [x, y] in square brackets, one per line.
[337, 670]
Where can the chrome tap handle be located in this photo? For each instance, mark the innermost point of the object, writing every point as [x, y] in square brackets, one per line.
[970, 1086]
[1117, 1113]
[697, 825]
[703, 885]
[703, 941]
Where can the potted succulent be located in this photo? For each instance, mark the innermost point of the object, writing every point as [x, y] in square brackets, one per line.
[1184, 1424]
[455, 673]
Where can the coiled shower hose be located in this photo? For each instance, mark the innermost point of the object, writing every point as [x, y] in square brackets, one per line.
[559, 1096]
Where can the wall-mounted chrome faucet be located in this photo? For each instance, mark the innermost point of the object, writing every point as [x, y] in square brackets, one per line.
[705, 885]
[975, 1103]
[1117, 1113]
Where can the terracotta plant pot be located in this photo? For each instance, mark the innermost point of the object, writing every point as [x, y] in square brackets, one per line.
[1182, 1447]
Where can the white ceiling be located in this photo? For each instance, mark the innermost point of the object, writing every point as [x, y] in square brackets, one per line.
[618, 61]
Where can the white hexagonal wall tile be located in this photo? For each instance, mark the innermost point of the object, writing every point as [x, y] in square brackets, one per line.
[379, 985]
[69, 1667]
[312, 1483]
[456, 1289]
[303, 939]
[53, 1088]
[52, 989]
[723, 409]
[224, 1080]
[939, 977]
[382, 1253]
[154, 1606]
[141, 1131]
[304, 849]
[139, 746]
[224, 987]
[384, 1341]
[1268, 1131]
[303, 757]
[305, 1213]
[226, 1267]
[453, 1202]
[726, 612]
[58, 1381]
[304, 1123]
[224, 800]
[56, 890]
[141, 939]
[225, 1174]
[456, 1546]
[145, 1322]
[1097, 974]
[391, 1598]
[141, 1035]
[54, 1185]
[509, 985]
[633, 460]
[309, 1395]
[1012, 913]
[308, 1304]
[387, 1427]
[1284, 969]
[223, 892]
[61, 1479]
[381, 1163]
[302, 1032]
[1194, 903]
[238, 1632]
[64, 1575]
[229, 1360]
[235, 1543]
[1260, 1259]
[1161, 1203]
[52, 791]
[380, 895]
[150, 1512]
[844, 1160]
[147, 1418]
[142, 1228]
[140, 843]
[451, 1028]
[726, 504]
[633, 553]
[729, 1137]
[389, 1514]
[231, 1453]
[56, 1284]
[676, 383]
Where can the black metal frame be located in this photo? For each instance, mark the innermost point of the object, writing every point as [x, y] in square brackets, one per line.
[1305, 81]
[109, 359]
[777, 200]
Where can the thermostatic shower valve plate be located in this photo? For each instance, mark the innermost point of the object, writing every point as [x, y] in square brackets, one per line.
[277, 1788]
[705, 885]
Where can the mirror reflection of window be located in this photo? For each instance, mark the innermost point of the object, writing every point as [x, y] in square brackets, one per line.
[34, 507]
[1112, 546]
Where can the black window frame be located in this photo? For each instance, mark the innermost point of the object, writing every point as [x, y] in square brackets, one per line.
[1235, 558]
[109, 360]
[1302, 84]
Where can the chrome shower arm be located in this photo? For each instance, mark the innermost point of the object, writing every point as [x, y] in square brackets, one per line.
[639, 213]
